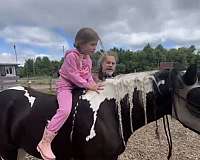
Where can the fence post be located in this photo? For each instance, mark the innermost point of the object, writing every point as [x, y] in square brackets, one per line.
[29, 83]
[50, 84]
[1, 83]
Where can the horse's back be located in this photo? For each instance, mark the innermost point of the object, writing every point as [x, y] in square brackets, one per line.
[23, 111]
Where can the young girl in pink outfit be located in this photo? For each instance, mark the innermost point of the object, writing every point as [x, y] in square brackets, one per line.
[75, 71]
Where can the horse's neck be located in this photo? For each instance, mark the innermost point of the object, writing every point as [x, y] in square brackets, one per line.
[141, 113]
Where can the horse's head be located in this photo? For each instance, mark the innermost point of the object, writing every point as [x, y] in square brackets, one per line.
[178, 93]
[186, 106]
[181, 90]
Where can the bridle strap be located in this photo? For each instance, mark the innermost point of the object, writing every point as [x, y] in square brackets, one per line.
[178, 95]
[168, 135]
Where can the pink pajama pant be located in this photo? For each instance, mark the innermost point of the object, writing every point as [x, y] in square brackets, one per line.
[64, 98]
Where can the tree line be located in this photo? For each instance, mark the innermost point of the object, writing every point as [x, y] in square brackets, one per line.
[129, 61]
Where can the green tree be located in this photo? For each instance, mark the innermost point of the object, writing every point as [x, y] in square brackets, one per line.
[28, 67]
[38, 66]
[46, 66]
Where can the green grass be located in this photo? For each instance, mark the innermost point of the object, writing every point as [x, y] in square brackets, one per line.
[44, 80]
[39, 83]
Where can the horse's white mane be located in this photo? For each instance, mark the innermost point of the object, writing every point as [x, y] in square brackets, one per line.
[139, 80]
[125, 84]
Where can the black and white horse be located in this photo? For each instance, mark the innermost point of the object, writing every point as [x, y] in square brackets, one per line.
[99, 125]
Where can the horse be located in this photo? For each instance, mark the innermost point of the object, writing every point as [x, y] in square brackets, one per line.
[99, 125]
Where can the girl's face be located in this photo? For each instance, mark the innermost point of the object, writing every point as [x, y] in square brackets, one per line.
[88, 48]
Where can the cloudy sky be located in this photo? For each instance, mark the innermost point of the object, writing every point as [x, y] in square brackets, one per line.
[43, 27]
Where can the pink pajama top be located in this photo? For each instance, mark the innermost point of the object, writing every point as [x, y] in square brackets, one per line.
[75, 71]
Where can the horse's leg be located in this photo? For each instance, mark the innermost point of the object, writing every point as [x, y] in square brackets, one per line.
[8, 154]
[97, 158]
[105, 158]
[21, 154]
[65, 158]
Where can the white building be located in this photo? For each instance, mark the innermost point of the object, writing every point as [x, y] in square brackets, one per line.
[8, 69]
[8, 76]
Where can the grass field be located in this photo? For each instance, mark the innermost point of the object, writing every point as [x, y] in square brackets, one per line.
[43, 84]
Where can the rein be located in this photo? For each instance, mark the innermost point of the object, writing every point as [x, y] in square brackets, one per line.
[165, 117]
[168, 135]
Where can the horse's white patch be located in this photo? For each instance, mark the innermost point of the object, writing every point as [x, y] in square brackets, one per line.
[21, 154]
[31, 99]
[161, 82]
[1, 158]
[117, 88]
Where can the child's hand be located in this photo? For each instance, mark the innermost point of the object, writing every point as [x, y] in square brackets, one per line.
[96, 87]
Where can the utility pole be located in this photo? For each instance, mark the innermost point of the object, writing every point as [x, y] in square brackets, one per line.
[14, 46]
[33, 66]
[63, 47]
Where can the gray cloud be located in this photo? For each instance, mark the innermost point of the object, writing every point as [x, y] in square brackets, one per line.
[129, 22]
[32, 36]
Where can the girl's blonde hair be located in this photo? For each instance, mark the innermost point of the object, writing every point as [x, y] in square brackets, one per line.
[85, 35]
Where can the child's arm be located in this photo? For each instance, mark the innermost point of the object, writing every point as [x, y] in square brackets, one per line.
[96, 87]
[90, 79]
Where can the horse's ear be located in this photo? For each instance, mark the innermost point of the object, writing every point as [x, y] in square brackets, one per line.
[190, 75]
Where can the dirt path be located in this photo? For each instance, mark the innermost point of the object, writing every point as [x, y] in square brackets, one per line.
[143, 144]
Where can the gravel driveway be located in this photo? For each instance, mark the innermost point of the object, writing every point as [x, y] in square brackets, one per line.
[144, 146]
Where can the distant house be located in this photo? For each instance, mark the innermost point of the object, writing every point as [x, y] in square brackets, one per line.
[8, 69]
[166, 65]
[8, 76]
[171, 65]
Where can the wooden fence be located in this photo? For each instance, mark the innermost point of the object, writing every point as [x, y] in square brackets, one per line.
[6, 82]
